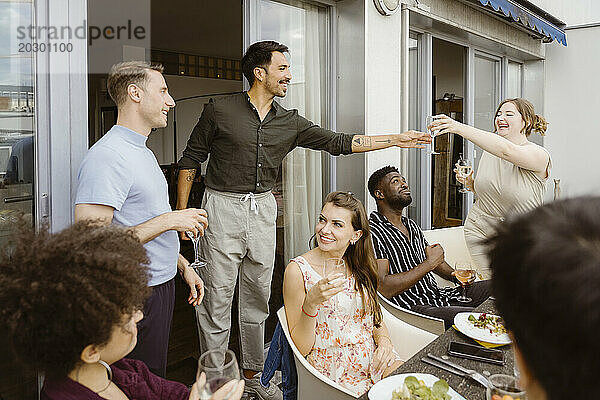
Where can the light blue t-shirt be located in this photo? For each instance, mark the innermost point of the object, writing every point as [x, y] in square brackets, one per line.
[121, 172]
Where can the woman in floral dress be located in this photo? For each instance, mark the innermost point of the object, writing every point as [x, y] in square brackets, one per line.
[334, 318]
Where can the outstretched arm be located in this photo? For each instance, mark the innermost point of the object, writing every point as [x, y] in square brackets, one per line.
[531, 157]
[409, 139]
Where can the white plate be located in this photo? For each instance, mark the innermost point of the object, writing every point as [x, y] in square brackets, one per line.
[383, 389]
[461, 321]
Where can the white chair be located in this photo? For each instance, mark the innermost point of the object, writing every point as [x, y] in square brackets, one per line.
[455, 248]
[312, 385]
[424, 322]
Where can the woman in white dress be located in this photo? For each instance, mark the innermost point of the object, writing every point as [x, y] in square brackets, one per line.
[512, 173]
[335, 319]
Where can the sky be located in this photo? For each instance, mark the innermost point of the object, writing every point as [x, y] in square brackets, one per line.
[15, 67]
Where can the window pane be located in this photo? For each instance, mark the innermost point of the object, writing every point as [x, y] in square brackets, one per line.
[487, 95]
[514, 80]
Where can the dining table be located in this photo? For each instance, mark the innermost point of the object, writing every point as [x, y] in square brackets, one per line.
[465, 386]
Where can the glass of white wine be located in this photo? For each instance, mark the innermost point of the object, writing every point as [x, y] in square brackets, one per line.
[220, 367]
[463, 170]
[433, 133]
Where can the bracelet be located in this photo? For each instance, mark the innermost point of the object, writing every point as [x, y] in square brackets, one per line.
[312, 316]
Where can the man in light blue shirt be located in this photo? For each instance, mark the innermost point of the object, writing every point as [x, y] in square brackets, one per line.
[120, 181]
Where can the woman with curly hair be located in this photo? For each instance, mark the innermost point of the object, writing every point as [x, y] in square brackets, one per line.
[336, 322]
[512, 173]
[71, 301]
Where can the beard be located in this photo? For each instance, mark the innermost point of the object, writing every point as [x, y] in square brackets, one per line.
[400, 201]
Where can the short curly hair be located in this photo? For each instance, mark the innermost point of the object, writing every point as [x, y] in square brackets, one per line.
[62, 292]
[377, 176]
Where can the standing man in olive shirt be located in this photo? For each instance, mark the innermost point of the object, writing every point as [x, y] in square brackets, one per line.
[248, 135]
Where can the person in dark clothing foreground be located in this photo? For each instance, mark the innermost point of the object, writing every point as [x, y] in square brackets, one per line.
[545, 276]
[72, 301]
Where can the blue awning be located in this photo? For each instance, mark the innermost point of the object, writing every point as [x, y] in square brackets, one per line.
[529, 19]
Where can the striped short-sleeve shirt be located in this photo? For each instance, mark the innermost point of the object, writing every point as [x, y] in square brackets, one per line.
[405, 253]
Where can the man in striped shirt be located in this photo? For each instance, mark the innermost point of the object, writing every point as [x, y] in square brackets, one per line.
[409, 282]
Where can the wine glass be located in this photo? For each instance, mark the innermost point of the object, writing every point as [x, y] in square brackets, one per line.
[334, 266]
[198, 263]
[463, 170]
[220, 367]
[466, 276]
[503, 387]
[433, 133]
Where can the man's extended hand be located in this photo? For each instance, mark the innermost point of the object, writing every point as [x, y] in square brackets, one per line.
[412, 139]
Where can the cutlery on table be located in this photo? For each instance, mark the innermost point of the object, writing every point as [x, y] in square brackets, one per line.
[455, 368]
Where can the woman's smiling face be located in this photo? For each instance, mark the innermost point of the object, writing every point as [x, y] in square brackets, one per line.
[334, 229]
[508, 120]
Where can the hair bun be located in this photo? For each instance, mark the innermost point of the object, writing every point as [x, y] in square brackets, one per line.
[540, 125]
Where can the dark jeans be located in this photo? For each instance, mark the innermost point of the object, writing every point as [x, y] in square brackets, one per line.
[153, 331]
[478, 292]
[281, 357]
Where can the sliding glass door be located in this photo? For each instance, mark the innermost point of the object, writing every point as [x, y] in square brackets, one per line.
[17, 144]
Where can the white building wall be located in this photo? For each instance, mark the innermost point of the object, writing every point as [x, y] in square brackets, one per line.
[383, 90]
[572, 103]
[368, 89]
[571, 12]
[350, 91]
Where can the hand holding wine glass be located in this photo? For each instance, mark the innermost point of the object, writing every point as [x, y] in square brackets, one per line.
[463, 170]
[232, 390]
[219, 368]
[433, 131]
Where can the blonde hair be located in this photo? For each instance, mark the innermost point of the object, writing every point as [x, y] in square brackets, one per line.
[127, 73]
[533, 121]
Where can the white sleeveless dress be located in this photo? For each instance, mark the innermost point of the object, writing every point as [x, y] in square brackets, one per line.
[344, 343]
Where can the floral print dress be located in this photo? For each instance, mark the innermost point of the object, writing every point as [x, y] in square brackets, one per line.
[344, 343]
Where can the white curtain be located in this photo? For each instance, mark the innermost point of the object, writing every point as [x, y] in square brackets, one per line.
[300, 27]
[302, 171]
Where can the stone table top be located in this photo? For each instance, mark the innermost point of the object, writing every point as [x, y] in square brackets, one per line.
[466, 387]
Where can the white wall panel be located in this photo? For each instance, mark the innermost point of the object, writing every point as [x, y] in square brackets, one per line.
[572, 104]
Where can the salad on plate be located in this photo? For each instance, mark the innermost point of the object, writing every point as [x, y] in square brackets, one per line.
[414, 389]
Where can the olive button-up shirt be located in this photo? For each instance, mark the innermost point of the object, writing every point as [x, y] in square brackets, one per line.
[245, 152]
